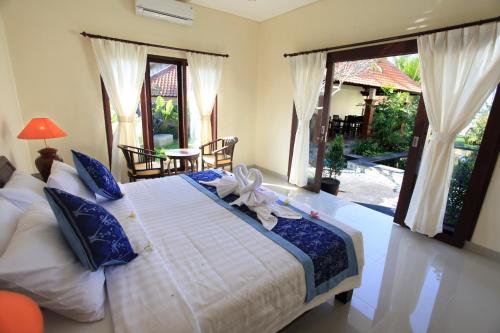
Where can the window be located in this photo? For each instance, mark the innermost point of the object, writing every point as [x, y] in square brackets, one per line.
[167, 117]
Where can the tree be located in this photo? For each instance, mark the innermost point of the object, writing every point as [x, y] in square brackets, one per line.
[394, 119]
[410, 65]
[474, 135]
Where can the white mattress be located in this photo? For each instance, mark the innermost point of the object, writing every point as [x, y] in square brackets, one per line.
[208, 271]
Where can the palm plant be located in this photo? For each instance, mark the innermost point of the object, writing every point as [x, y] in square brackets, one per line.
[410, 65]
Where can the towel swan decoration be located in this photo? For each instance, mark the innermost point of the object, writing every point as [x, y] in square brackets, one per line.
[260, 200]
[228, 183]
[257, 199]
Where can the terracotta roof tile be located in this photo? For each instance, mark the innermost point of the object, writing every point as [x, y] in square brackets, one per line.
[164, 83]
[385, 74]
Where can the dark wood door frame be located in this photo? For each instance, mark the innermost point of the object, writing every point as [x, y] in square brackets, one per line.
[146, 107]
[321, 128]
[484, 166]
[367, 52]
[412, 164]
[486, 161]
[181, 96]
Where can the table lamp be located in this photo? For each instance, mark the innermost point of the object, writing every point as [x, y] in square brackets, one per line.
[43, 128]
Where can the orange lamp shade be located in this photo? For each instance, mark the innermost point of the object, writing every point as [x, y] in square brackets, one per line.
[19, 314]
[41, 128]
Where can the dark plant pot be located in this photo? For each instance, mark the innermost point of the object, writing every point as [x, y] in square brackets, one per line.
[330, 185]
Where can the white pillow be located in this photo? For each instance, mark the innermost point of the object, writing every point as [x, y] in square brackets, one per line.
[39, 263]
[22, 198]
[8, 222]
[24, 180]
[65, 177]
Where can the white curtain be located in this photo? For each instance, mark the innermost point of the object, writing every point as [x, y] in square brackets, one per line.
[206, 72]
[307, 76]
[460, 68]
[122, 67]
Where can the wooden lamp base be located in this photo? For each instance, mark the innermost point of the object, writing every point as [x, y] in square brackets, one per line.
[44, 161]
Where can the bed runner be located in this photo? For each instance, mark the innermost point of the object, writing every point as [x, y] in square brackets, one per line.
[326, 252]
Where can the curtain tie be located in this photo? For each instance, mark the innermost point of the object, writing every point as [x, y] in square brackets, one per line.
[126, 119]
[443, 138]
[206, 117]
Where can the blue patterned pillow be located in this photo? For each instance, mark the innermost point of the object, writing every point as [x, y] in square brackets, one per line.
[96, 176]
[93, 233]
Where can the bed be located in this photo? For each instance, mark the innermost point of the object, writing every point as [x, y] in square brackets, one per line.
[204, 266]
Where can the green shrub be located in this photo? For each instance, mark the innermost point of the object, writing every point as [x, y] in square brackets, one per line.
[367, 147]
[165, 117]
[458, 187]
[334, 157]
[393, 121]
[474, 135]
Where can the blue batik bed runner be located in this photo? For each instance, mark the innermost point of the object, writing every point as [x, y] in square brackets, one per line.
[325, 251]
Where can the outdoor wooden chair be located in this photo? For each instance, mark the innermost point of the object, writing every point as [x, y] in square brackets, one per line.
[218, 153]
[143, 163]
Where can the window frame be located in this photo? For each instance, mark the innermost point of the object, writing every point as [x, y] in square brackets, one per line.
[146, 108]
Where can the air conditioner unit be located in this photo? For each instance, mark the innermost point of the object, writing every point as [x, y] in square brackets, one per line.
[169, 10]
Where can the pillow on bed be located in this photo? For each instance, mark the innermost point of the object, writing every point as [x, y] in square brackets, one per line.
[26, 181]
[22, 198]
[95, 235]
[65, 177]
[96, 176]
[8, 222]
[39, 263]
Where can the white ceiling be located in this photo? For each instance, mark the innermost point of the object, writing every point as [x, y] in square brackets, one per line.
[258, 10]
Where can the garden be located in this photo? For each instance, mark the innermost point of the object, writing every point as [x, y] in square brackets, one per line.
[165, 122]
[392, 125]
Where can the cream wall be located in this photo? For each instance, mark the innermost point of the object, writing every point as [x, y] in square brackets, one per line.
[338, 22]
[11, 121]
[328, 23]
[57, 76]
[348, 101]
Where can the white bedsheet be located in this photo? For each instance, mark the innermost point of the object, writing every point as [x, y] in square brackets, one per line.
[208, 270]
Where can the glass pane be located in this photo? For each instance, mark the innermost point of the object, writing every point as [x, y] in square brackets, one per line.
[164, 102]
[315, 137]
[466, 148]
[194, 120]
[373, 107]
[138, 125]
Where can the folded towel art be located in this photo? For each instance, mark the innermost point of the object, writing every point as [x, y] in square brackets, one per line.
[247, 183]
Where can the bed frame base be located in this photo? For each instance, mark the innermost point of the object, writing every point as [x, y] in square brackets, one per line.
[344, 297]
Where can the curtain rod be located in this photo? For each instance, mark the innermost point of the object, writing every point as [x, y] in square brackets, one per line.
[84, 34]
[389, 39]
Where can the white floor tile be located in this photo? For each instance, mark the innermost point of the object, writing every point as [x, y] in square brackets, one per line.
[411, 283]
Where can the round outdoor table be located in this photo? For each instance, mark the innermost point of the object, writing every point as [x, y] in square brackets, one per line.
[183, 154]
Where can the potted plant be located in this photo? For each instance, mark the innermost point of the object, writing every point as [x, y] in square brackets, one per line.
[334, 164]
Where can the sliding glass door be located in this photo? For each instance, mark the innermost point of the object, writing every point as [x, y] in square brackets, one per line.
[166, 103]
[166, 117]
[476, 147]
[172, 113]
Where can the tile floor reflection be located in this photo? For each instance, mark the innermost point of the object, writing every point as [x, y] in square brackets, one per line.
[410, 283]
